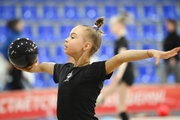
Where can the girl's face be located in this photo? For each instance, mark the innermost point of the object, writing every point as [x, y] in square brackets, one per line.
[116, 27]
[19, 26]
[170, 26]
[75, 44]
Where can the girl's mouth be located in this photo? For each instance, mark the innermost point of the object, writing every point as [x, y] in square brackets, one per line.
[65, 46]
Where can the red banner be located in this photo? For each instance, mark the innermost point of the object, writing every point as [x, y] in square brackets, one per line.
[42, 102]
[145, 98]
[28, 104]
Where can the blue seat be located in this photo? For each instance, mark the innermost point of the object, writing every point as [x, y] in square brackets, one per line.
[43, 51]
[132, 32]
[169, 11]
[133, 47]
[61, 57]
[50, 12]
[65, 31]
[164, 30]
[150, 12]
[146, 79]
[59, 50]
[132, 10]
[47, 80]
[39, 80]
[71, 12]
[91, 11]
[144, 2]
[29, 12]
[107, 33]
[27, 32]
[149, 31]
[51, 82]
[3, 31]
[137, 80]
[107, 50]
[44, 80]
[171, 78]
[111, 11]
[7, 12]
[150, 79]
[149, 46]
[147, 74]
[46, 33]
[44, 54]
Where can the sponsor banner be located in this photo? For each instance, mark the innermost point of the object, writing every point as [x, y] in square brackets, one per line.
[42, 102]
[28, 104]
[145, 98]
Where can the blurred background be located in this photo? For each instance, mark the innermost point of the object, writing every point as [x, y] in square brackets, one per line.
[48, 23]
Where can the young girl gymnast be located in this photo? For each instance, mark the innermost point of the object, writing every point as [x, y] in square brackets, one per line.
[80, 82]
[123, 78]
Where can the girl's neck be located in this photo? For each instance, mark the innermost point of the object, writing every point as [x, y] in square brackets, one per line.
[82, 61]
[81, 64]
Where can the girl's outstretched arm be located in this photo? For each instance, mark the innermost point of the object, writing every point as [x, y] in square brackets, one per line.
[135, 55]
[47, 67]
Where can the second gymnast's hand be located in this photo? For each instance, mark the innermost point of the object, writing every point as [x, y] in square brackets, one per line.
[163, 55]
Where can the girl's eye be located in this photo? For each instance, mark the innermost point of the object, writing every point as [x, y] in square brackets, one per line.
[72, 37]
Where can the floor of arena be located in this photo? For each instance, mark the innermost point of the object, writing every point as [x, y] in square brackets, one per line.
[138, 116]
[143, 118]
[131, 118]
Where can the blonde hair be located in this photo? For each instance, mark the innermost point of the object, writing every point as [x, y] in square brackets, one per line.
[94, 34]
[123, 18]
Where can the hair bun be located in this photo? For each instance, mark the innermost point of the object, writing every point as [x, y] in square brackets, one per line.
[99, 22]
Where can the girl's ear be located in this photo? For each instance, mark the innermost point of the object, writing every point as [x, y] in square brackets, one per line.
[87, 46]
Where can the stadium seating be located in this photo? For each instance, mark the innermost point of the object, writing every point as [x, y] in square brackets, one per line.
[132, 33]
[150, 12]
[71, 12]
[149, 31]
[46, 33]
[51, 21]
[60, 57]
[169, 11]
[133, 10]
[64, 31]
[29, 12]
[110, 11]
[44, 54]
[28, 33]
[107, 51]
[147, 74]
[149, 46]
[50, 12]
[3, 31]
[91, 12]
[7, 12]
[107, 33]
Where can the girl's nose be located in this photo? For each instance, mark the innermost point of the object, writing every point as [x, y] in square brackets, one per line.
[66, 40]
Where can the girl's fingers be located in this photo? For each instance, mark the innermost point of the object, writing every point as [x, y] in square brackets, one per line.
[175, 50]
[17, 67]
[171, 54]
[23, 69]
[157, 60]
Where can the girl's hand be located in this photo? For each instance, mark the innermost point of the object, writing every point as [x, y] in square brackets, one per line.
[29, 68]
[163, 55]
